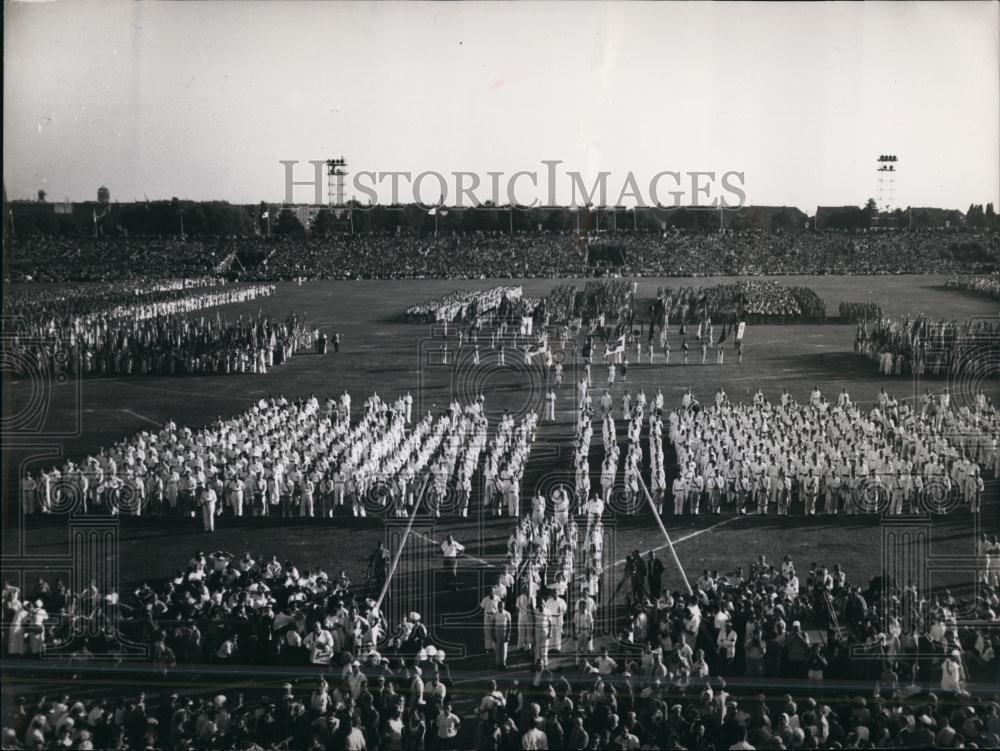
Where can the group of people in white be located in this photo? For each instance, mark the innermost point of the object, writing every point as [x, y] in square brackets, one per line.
[832, 457]
[299, 458]
[763, 456]
[462, 305]
[545, 600]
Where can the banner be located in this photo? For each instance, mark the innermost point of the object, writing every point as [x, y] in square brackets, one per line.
[740, 330]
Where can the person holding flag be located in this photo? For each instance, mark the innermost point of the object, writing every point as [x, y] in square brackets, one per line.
[616, 350]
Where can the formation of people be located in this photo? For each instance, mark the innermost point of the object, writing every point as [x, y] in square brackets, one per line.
[832, 457]
[106, 330]
[917, 345]
[463, 304]
[753, 301]
[299, 458]
[985, 284]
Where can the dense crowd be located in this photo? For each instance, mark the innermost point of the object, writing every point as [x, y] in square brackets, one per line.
[755, 252]
[467, 256]
[901, 672]
[987, 285]
[660, 683]
[917, 345]
[43, 258]
[476, 255]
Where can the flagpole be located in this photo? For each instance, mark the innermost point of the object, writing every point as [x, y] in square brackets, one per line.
[399, 550]
[670, 544]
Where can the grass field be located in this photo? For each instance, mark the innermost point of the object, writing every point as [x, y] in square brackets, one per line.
[382, 352]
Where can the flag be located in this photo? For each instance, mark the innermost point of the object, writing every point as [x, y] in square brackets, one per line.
[265, 215]
[740, 330]
[722, 336]
[698, 335]
[619, 347]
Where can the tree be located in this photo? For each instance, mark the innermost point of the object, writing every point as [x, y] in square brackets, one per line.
[558, 220]
[41, 196]
[975, 216]
[324, 223]
[869, 213]
[288, 224]
[46, 223]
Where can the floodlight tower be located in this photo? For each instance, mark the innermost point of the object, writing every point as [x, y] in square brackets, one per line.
[335, 181]
[885, 172]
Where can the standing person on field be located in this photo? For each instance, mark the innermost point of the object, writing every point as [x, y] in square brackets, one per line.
[208, 504]
[501, 637]
[451, 549]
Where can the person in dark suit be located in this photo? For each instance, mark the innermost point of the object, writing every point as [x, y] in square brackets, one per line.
[654, 572]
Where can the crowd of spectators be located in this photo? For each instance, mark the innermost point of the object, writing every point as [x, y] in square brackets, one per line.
[860, 665]
[477, 255]
[42, 258]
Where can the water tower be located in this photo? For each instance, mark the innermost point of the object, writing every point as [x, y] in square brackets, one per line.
[103, 195]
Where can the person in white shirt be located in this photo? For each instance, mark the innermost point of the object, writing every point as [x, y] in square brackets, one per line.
[952, 674]
[555, 609]
[501, 636]
[490, 605]
[208, 502]
[452, 549]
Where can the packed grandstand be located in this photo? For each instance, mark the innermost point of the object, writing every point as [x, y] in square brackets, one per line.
[499, 255]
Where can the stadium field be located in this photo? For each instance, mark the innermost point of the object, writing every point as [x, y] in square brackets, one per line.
[382, 352]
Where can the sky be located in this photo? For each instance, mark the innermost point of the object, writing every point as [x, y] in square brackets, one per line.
[201, 100]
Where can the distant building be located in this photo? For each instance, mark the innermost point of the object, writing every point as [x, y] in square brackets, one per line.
[103, 195]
